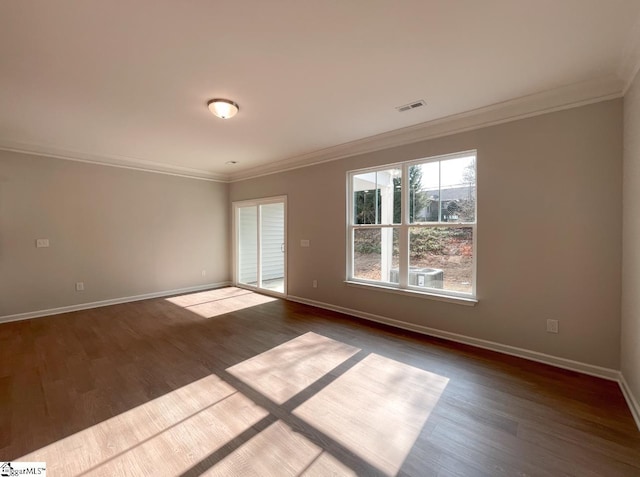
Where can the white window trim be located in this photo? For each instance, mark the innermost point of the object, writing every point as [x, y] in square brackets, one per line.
[403, 287]
[465, 300]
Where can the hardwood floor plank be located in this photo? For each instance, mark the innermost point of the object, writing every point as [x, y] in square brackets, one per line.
[325, 464]
[583, 455]
[276, 451]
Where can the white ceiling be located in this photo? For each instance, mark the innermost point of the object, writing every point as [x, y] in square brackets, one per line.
[127, 82]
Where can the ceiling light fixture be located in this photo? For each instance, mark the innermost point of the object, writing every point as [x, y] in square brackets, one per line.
[223, 108]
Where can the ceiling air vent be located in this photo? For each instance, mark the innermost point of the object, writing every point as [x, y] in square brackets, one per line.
[412, 105]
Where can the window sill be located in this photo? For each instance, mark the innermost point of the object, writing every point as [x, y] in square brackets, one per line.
[425, 295]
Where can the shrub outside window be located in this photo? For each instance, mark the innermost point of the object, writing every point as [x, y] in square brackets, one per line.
[412, 225]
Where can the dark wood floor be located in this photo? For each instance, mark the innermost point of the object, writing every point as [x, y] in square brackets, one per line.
[498, 415]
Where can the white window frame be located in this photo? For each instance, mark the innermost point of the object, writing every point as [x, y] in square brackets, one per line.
[403, 287]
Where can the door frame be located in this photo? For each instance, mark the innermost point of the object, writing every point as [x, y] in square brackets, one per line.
[235, 206]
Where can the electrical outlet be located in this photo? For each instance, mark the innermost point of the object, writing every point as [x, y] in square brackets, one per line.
[304, 243]
[315, 284]
[42, 243]
[80, 286]
[552, 326]
[204, 273]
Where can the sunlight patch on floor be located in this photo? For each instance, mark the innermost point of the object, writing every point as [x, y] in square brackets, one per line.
[165, 436]
[207, 296]
[279, 451]
[325, 464]
[284, 371]
[376, 409]
[219, 302]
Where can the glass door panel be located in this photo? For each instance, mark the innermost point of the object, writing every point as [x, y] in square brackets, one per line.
[260, 244]
[247, 245]
[272, 246]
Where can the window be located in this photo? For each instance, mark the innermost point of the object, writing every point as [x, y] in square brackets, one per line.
[412, 226]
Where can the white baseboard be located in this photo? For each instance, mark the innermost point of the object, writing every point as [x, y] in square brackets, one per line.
[590, 369]
[631, 400]
[113, 301]
[564, 363]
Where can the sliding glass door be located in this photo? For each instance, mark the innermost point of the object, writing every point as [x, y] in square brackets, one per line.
[260, 244]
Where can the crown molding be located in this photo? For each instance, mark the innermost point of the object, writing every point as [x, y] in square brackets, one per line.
[630, 64]
[110, 160]
[565, 97]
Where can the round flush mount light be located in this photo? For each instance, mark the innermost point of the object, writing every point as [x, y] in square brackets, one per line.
[223, 108]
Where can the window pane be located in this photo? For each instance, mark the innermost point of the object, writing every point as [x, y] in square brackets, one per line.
[458, 189]
[375, 254]
[443, 191]
[441, 257]
[377, 197]
[424, 192]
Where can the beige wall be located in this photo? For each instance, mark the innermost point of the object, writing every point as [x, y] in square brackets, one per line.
[631, 241]
[121, 232]
[549, 234]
